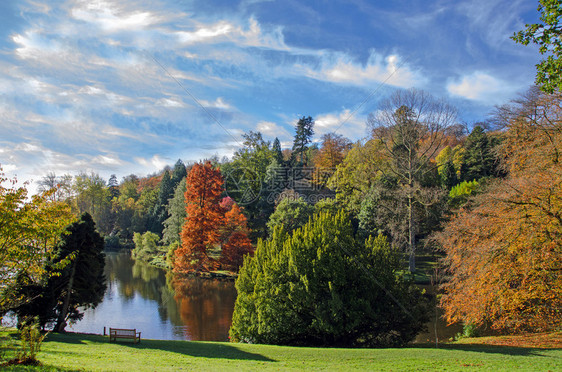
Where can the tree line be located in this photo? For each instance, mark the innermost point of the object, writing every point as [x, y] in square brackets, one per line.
[485, 200]
[320, 231]
[413, 180]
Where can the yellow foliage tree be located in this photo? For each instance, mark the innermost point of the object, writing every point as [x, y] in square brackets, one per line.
[505, 253]
[29, 229]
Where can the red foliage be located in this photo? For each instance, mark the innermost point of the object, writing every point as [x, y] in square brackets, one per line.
[235, 237]
[210, 221]
[227, 203]
[204, 215]
[149, 182]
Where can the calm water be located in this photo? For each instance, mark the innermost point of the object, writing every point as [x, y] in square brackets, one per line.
[143, 297]
[146, 298]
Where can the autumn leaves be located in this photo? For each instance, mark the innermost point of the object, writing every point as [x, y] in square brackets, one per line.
[504, 251]
[212, 222]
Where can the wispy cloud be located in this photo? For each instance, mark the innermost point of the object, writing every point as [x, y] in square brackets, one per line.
[350, 126]
[494, 20]
[480, 86]
[219, 103]
[391, 69]
[155, 162]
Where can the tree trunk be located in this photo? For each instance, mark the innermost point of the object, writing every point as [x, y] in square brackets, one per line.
[61, 321]
[411, 233]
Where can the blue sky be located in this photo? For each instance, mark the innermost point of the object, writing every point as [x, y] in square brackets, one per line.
[116, 86]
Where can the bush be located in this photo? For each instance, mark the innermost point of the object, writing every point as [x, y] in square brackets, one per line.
[31, 339]
[322, 286]
[146, 246]
[468, 330]
[29, 345]
[111, 243]
[458, 196]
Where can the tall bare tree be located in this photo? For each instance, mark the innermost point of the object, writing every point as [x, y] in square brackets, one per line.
[62, 186]
[411, 125]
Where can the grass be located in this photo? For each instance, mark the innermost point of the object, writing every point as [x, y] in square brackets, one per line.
[79, 352]
[425, 267]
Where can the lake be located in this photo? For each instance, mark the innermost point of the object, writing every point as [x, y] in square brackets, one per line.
[147, 298]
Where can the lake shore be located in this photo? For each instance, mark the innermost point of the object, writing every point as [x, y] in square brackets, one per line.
[76, 351]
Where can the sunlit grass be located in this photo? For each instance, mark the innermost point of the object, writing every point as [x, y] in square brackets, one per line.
[71, 352]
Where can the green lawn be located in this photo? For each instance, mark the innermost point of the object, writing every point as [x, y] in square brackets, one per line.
[74, 352]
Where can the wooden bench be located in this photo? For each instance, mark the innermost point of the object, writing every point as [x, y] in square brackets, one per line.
[132, 334]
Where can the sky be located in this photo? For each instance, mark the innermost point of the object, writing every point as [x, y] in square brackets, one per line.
[130, 86]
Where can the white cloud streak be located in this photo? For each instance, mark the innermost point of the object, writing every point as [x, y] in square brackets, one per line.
[391, 69]
[352, 127]
[482, 87]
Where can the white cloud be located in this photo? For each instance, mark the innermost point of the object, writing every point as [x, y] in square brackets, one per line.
[34, 45]
[27, 147]
[240, 33]
[272, 130]
[169, 102]
[108, 159]
[341, 68]
[274, 39]
[9, 168]
[204, 33]
[482, 87]
[345, 123]
[155, 162]
[218, 104]
[109, 17]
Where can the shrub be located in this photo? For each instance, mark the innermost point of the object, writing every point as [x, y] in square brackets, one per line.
[146, 246]
[322, 286]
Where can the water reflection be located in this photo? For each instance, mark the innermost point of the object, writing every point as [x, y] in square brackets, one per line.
[437, 326]
[206, 307]
[162, 307]
[146, 298]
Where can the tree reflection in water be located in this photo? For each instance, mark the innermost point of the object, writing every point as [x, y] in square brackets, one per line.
[161, 306]
[206, 307]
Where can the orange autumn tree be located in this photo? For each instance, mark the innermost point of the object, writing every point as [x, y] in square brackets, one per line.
[331, 154]
[504, 252]
[204, 214]
[211, 221]
[236, 243]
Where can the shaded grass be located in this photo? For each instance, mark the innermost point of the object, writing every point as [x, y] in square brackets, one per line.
[425, 266]
[71, 352]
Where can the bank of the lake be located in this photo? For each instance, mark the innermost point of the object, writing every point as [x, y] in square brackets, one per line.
[71, 352]
[147, 298]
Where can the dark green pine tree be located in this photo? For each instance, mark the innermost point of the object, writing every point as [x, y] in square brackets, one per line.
[113, 186]
[177, 214]
[166, 190]
[179, 173]
[303, 136]
[479, 159]
[277, 153]
[159, 213]
[81, 283]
